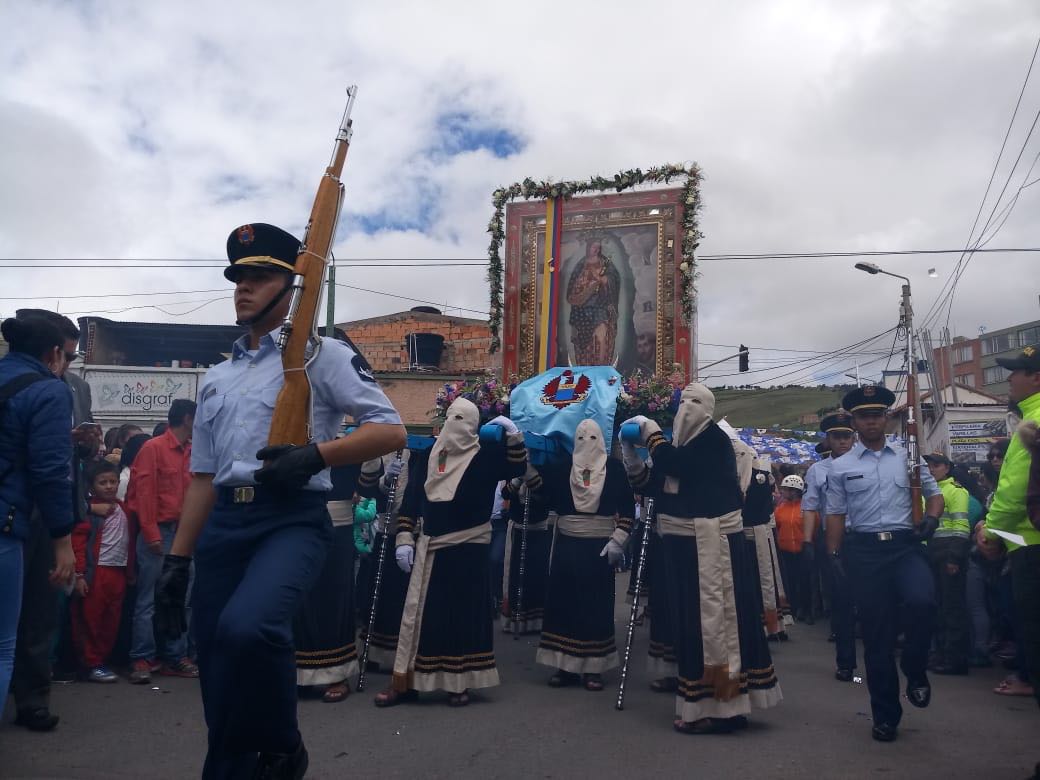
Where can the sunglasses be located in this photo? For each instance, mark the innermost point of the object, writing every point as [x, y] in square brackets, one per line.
[994, 456]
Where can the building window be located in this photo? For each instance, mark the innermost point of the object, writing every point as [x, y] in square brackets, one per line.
[968, 380]
[1001, 343]
[994, 374]
[962, 354]
[1028, 337]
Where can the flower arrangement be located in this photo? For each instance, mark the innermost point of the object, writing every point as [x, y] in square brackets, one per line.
[490, 395]
[654, 395]
[624, 180]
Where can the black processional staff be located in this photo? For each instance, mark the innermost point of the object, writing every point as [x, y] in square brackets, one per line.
[519, 596]
[390, 496]
[648, 522]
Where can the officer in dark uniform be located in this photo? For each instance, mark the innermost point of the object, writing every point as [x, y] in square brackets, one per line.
[255, 518]
[840, 437]
[873, 542]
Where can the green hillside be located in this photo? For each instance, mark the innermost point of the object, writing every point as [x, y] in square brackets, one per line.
[780, 408]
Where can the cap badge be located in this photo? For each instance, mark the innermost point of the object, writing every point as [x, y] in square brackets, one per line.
[245, 234]
[869, 391]
[1029, 351]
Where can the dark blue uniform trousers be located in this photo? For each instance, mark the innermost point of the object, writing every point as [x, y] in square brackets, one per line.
[254, 564]
[893, 588]
[843, 624]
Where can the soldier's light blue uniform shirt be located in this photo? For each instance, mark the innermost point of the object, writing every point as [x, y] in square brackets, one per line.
[815, 498]
[872, 489]
[237, 398]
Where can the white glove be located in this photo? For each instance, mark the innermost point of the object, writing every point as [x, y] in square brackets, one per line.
[615, 554]
[506, 423]
[629, 455]
[393, 468]
[405, 555]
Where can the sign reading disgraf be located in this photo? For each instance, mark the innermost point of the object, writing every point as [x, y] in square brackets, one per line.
[132, 392]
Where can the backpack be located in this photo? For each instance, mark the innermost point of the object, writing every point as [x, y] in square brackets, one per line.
[7, 391]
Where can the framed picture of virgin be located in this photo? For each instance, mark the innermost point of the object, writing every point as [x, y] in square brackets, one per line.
[615, 300]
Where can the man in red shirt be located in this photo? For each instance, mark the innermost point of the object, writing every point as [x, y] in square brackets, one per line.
[158, 478]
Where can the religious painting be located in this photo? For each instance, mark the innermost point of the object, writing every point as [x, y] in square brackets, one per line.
[615, 303]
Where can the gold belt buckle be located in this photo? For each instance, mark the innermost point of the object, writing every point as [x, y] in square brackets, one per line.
[885, 536]
[244, 495]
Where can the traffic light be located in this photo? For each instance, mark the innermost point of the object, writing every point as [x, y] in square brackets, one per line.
[743, 358]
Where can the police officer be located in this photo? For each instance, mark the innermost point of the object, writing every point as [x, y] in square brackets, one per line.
[255, 518]
[880, 552]
[837, 428]
[948, 551]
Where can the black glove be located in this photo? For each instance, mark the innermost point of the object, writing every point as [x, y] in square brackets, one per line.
[927, 527]
[288, 466]
[808, 552]
[171, 595]
[838, 567]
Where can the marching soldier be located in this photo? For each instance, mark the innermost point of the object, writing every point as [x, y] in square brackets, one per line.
[255, 518]
[880, 552]
[839, 439]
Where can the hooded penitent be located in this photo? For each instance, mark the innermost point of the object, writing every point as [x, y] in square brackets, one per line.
[696, 406]
[456, 446]
[588, 466]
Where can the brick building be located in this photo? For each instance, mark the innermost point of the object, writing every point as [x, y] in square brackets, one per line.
[423, 339]
[974, 361]
[413, 353]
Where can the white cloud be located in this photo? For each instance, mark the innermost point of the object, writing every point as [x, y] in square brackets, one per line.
[150, 130]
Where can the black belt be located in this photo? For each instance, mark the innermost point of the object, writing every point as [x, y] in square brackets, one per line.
[901, 535]
[258, 494]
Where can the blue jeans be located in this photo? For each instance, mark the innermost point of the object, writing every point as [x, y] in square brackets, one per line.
[10, 606]
[142, 640]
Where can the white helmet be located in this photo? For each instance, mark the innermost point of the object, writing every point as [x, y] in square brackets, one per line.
[793, 481]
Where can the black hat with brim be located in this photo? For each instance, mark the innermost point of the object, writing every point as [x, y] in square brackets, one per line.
[1028, 359]
[838, 422]
[937, 457]
[260, 245]
[869, 399]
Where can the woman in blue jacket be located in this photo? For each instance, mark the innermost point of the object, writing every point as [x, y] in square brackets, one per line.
[35, 463]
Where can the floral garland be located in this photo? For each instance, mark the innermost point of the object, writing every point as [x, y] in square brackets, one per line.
[654, 395]
[542, 190]
[489, 394]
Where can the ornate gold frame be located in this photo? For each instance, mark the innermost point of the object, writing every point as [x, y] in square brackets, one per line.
[663, 216]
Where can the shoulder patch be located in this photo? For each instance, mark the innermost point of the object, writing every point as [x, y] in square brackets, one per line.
[760, 478]
[363, 369]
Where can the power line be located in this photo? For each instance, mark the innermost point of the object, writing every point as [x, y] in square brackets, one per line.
[815, 361]
[954, 278]
[412, 262]
[414, 300]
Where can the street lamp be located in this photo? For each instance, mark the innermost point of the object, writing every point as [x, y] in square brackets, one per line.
[913, 406]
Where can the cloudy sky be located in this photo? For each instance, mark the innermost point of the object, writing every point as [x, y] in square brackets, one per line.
[146, 131]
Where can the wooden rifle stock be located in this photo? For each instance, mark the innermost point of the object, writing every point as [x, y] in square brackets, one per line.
[291, 423]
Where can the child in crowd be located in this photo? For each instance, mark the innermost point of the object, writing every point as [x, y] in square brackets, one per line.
[788, 514]
[103, 557]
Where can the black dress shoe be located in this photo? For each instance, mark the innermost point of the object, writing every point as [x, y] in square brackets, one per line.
[919, 693]
[843, 675]
[883, 732]
[945, 668]
[36, 719]
[282, 766]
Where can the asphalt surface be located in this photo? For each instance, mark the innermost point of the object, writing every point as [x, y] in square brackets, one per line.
[525, 729]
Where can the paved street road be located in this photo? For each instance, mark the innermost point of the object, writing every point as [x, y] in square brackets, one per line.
[525, 729]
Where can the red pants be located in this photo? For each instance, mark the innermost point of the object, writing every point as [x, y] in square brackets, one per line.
[95, 618]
